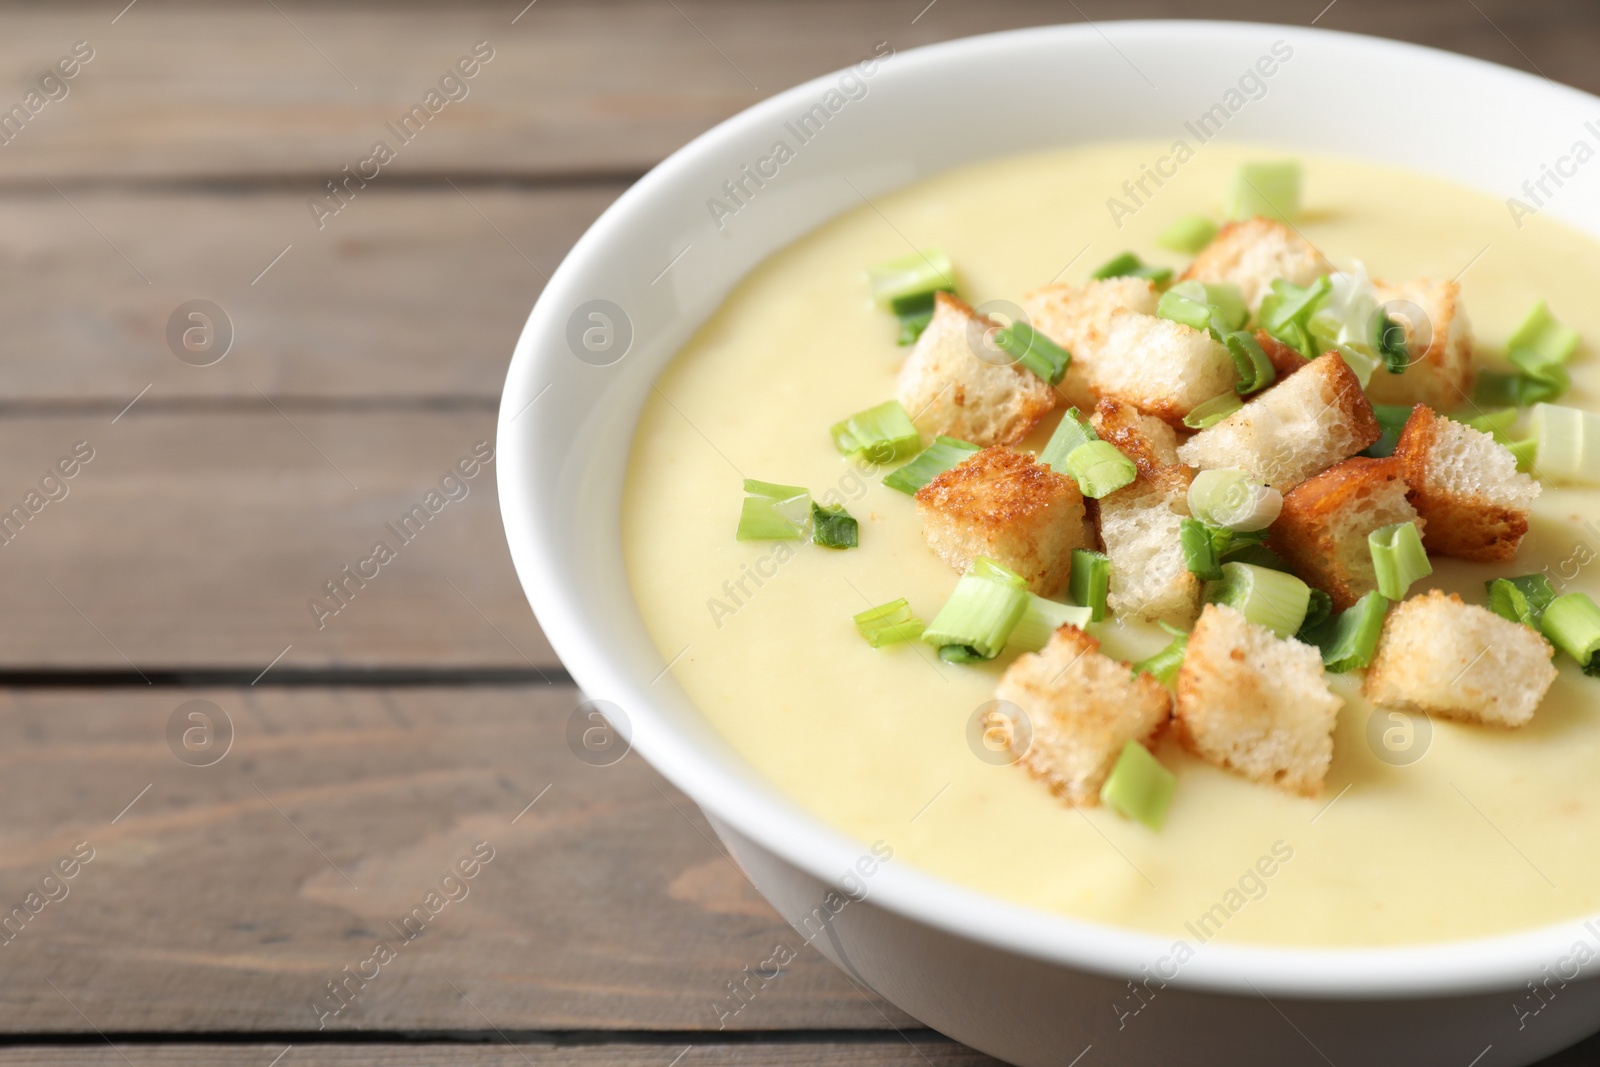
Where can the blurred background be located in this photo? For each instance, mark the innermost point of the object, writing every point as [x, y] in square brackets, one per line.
[288, 773]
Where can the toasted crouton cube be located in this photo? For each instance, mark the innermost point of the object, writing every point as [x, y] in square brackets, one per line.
[1444, 657]
[1005, 505]
[1256, 704]
[1159, 366]
[948, 389]
[1439, 342]
[1322, 530]
[1139, 527]
[1082, 707]
[1076, 316]
[1293, 429]
[1253, 254]
[1467, 486]
[1145, 439]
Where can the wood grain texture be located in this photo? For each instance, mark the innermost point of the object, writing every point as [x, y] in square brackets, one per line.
[199, 539]
[229, 896]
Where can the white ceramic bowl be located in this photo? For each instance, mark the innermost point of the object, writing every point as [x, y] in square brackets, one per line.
[1024, 986]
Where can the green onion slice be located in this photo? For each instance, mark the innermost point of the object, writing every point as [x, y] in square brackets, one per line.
[961, 654]
[981, 612]
[1259, 555]
[1199, 551]
[1286, 312]
[1033, 350]
[1522, 599]
[1318, 609]
[1497, 422]
[1072, 431]
[1230, 498]
[1572, 623]
[1099, 468]
[1255, 369]
[1208, 413]
[833, 527]
[1391, 419]
[1164, 664]
[1181, 306]
[1188, 234]
[1129, 265]
[1043, 618]
[1523, 390]
[1541, 334]
[919, 274]
[888, 624]
[1270, 189]
[1090, 581]
[773, 512]
[1349, 640]
[944, 453]
[1269, 598]
[1219, 308]
[1524, 452]
[912, 323]
[1139, 787]
[880, 434]
[1567, 445]
[1398, 557]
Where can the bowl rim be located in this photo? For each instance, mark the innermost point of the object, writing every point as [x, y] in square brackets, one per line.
[780, 825]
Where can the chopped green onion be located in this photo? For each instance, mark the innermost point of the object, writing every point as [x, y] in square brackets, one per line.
[773, 512]
[906, 278]
[1189, 234]
[1182, 307]
[1259, 555]
[1219, 308]
[1199, 551]
[1043, 618]
[1099, 468]
[981, 612]
[1349, 640]
[1522, 390]
[961, 654]
[1496, 423]
[1524, 452]
[1139, 787]
[1164, 664]
[1231, 498]
[1391, 419]
[1072, 431]
[1269, 598]
[881, 434]
[1285, 313]
[888, 624]
[1568, 444]
[1572, 623]
[1360, 361]
[1208, 413]
[1255, 369]
[1389, 338]
[1545, 375]
[1318, 609]
[1521, 599]
[1228, 302]
[1033, 350]
[1129, 265]
[833, 526]
[912, 323]
[1541, 334]
[1270, 189]
[944, 453]
[1090, 580]
[1398, 557]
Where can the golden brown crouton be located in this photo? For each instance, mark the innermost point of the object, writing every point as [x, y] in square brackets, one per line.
[1293, 429]
[1254, 703]
[1076, 316]
[1253, 254]
[1445, 657]
[1159, 366]
[1145, 439]
[1005, 505]
[1439, 342]
[1322, 530]
[1082, 708]
[1285, 360]
[947, 389]
[1139, 527]
[1466, 485]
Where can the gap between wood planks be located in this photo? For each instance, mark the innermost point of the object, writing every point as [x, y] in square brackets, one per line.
[281, 677]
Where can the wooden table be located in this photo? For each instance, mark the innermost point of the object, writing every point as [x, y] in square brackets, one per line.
[340, 767]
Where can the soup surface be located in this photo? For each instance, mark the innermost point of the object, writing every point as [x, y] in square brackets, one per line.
[1424, 830]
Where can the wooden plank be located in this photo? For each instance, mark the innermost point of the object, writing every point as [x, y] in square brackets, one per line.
[574, 86]
[228, 896]
[406, 293]
[200, 540]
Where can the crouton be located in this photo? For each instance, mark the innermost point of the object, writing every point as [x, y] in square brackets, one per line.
[1467, 486]
[948, 389]
[1293, 429]
[1076, 316]
[1444, 657]
[1253, 254]
[1322, 530]
[1145, 439]
[1082, 708]
[1255, 704]
[1159, 366]
[1439, 344]
[1139, 526]
[1005, 505]
[1285, 360]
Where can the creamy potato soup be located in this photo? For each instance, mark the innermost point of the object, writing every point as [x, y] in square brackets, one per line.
[1423, 830]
